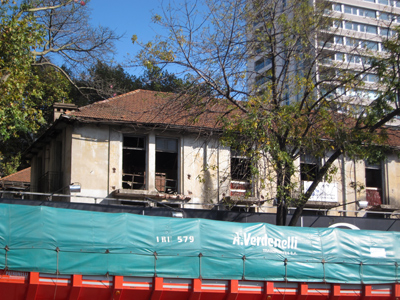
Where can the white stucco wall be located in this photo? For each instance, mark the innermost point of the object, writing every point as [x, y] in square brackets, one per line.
[115, 160]
[205, 164]
[90, 151]
[392, 165]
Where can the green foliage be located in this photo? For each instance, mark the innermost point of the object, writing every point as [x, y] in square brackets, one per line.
[156, 79]
[18, 82]
[55, 88]
[27, 90]
[134, 38]
[11, 161]
[30, 82]
[102, 81]
[105, 81]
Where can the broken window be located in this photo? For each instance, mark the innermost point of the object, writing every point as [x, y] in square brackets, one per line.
[373, 183]
[240, 174]
[134, 163]
[166, 165]
[309, 167]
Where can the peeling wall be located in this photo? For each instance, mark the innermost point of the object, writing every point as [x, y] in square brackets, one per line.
[90, 160]
[350, 178]
[92, 156]
[393, 179]
[96, 157]
[205, 163]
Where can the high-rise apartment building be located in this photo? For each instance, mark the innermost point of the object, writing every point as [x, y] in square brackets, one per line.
[361, 28]
[354, 35]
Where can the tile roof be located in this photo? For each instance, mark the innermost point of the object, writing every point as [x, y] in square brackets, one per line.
[20, 176]
[393, 137]
[167, 110]
[155, 108]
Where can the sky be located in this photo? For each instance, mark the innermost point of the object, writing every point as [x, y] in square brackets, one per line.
[126, 17]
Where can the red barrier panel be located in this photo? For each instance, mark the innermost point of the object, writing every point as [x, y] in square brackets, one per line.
[32, 285]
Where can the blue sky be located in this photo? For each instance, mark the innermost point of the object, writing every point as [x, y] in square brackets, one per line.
[126, 17]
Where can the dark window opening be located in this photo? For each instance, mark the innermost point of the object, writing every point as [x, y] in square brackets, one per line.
[167, 165]
[240, 168]
[309, 168]
[134, 142]
[373, 177]
[308, 171]
[373, 184]
[240, 175]
[134, 163]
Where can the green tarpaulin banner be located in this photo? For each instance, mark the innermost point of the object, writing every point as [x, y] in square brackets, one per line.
[51, 240]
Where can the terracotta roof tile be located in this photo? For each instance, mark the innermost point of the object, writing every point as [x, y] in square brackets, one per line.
[393, 135]
[20, 176]
[168, 109]
[150, 107]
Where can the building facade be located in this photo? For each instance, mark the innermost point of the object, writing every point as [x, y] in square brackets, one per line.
[136, 149]
[130, 148]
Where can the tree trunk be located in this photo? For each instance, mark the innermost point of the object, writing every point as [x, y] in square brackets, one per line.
[283, 196]
[281, 213]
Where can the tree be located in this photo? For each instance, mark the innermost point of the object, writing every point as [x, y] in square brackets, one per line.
[32, 34]
[19, 85]
[17, 79]
[298, 105]
[103, 81]
[156, 79]
[69, 34]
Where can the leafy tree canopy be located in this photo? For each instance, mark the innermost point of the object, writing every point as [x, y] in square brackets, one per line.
[18, 83]
[103, 81]
[32, 34]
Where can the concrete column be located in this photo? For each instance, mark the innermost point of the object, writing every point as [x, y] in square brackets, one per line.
[151, 162]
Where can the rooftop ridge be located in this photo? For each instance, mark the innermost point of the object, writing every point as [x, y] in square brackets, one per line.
[105, 101]
[121, 96]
